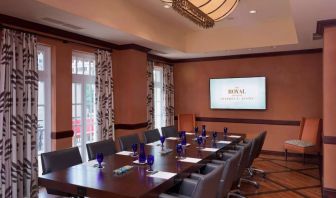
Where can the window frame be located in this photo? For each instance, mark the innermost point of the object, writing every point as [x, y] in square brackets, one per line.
[158, 84]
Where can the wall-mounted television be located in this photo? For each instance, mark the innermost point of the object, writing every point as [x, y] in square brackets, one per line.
[238, 93]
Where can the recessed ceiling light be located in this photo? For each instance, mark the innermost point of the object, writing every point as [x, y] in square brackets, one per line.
[166, 6]
[252, 11]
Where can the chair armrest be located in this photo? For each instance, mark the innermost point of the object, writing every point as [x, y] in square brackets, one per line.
[164, 195]
[218, 162]
[188, 187]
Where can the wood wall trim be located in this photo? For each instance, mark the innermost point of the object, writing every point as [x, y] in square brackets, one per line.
[134, 47]
[248, 121]
[257, 55]
[320, 25]
[329, 139]
[156, 58]
[282, 153]
[62, 134]
[329, 193]
[131, 126]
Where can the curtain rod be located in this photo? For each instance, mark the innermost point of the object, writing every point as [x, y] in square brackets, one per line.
[45, 35]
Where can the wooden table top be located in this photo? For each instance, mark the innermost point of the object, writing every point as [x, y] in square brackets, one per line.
[87, 180]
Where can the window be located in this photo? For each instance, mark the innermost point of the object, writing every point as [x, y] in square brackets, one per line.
[158, 97]
[83, 96]
[44, 100]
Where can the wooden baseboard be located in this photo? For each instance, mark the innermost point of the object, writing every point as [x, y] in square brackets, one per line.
[282, 153]
[328, 193]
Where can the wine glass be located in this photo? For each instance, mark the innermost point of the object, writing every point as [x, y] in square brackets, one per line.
[150, 162]
[225, 132]
[203, 131]
[134, 149]
[199, 141]
[162, 140]
[214, 136]
[100, 158]
[196, 131]
[184, 139]
[179, 150]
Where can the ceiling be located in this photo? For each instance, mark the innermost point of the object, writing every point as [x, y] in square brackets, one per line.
[278, 25]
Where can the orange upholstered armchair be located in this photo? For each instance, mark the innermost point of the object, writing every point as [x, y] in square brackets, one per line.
[186, 122]
[310, 138]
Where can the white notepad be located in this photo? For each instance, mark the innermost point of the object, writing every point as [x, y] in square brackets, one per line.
[234, 136]
[137, 162]
[163, 175]
[172, 138]
[224, 142]
[210, 149]
[187, 144]
[128, 153]
[154, 144]
[190, 133]
[190, 160]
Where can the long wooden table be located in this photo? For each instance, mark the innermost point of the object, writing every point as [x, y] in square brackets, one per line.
[86, 180]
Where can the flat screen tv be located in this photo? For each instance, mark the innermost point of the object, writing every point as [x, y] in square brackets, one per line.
[238, 93]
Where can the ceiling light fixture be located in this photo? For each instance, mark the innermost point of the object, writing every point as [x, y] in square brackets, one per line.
[252, 11]
[166, 6]
[203, 13]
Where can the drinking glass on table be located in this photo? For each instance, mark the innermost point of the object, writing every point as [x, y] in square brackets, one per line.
[214, 136]
[179, 150]
[100, 158]
[134, 149]
[225, 132]
[199, 141]
[162, 140]
[150, 162]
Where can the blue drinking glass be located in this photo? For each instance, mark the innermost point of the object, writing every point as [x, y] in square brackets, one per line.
[199, 141]
[203, 131]
[184, 139]
[134, 149]
[100, 158]
[214, 135]
[162, 140]
[150, 162]
[225, 132]
[179, 150]
[196, 131]
[142, 154]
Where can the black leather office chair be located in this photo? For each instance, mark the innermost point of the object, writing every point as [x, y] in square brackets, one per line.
[261, 141]
[107, 147]
[151, 136]
[127, 141]
[58, 160]
[230, 171]
[200, 185]
[169, 131]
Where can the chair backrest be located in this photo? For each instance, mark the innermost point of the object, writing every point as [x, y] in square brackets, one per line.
[169, 131]
[311, 130]
[207, 185]
[244, 159]
[186, 122]
[261, 139]
[58, 160]
[229, 173]
[151, 136]
[107, 147]
[127, 141]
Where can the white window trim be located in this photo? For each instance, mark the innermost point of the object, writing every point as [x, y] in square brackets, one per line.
[45, 76]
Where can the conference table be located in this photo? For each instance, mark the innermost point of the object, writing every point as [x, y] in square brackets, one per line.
[87, 179]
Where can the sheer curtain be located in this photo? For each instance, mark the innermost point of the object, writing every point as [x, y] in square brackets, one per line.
[104, 95]
[168, 94]
[18, 114]
[150, 95]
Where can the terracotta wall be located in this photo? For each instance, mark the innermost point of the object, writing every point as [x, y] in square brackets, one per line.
[294, 90]
[61, 91]
[329, 107]
[130, 89]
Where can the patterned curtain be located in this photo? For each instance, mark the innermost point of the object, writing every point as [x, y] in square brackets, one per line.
[104, 95]
[168, 94]
[18, 115]
[150, 95]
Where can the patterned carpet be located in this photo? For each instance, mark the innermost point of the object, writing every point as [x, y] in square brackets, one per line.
[285, 179]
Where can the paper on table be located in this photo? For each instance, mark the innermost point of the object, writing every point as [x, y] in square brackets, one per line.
[190, 133]
[187, 144]
[172, 138]
[128, 153]
[210, 149]
[137, 162]
[205, 136]
[224, 142]
[163, 175]
[190, 160]
[154, 144]
[234, 136]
